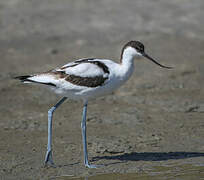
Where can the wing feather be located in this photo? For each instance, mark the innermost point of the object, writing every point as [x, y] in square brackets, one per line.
[83, 72]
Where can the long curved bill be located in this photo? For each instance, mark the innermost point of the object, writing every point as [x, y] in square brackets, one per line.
[151, 59]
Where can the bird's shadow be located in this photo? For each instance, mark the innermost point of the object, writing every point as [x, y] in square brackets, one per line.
[142, 156]
[150, 156]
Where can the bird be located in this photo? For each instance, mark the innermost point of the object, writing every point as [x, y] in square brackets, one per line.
[86, 79]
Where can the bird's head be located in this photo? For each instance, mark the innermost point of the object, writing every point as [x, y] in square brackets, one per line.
[136, 49]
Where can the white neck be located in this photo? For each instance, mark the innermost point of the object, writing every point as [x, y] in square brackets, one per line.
[127, 62]
[127, 57]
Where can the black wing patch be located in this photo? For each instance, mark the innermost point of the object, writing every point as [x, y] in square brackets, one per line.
[89, 60]
[84, 60]
[86, 81]
[98, 63]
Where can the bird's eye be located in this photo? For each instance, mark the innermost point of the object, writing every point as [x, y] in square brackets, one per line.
[140, 48]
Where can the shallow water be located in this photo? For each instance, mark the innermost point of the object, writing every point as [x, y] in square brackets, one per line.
[180, 172]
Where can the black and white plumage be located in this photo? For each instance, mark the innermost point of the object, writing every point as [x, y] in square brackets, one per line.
[91, 77]
[85, 79]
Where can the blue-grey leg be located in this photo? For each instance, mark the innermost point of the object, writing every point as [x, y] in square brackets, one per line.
[48, 157]
[83, 126]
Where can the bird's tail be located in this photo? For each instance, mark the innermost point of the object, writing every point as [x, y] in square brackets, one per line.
[23, 78]
[34, 79]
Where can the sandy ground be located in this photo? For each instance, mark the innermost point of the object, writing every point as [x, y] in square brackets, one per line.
[155, 119]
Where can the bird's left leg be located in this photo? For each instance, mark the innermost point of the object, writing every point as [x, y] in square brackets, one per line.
[48, 157]
[83, 126]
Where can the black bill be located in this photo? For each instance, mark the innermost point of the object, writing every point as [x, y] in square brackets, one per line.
[148, 57]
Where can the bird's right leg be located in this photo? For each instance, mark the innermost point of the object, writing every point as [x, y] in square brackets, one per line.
[48, 157]
[84, 140]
